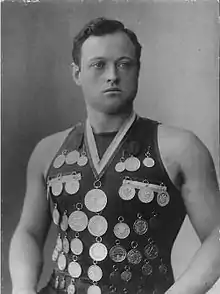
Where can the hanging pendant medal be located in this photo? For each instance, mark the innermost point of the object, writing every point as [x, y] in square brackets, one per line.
[71, 289]
[72, 157]
[148, 160]
[163, 198]
[147, 269]
[57, 186]
[62, 284]
[134, 256]
[146, 194]
[98, 251]
[151, 250]
[56, 215]
[96, 199]
[95, 273]
[55, 254]
[64, 222]
[66, 245]
[97, 225]
[74, 269]
[140, 225]
[78, 220]
[59, 160]
[76, 246]
[126, 275]
[132, 164]
[120, 166]
[117, 253]
[114, 275]
[94, 289]
[61, 262]
[126, 192]
[121, 229]
[82, 160]
[59, 243]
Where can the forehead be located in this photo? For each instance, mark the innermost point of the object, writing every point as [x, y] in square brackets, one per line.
[111, 46]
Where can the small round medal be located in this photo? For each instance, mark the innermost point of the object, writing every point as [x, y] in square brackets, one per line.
[98, 251]
[64, 223]
[61, 262]
[126, 192]
[132, 164]
[82, 161]
[78, 221]
[163, 268]
[74, 269]
[120, 167]
[59, 161]
[117, 253]
[121, 230]
[94, 289]
[146, 194]
[76, 246]
[55, 254]
[147, 269]
[71, 289]
[148, 162]
[140, 226]
[72, 157]
[97, 225]
[72, 187]
[57, 187]
[151, 251]
[66, 245]
[134, 256]
[95, 273]
[56, 216]
[163, 198]
[95, 200]
[126, 275]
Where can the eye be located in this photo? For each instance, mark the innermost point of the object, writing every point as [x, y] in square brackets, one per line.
[124, 64]
[98, 64]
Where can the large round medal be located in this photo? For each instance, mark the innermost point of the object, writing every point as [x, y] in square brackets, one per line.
[74, 269]
[78, 221]
[72, 157]
[57, 187]
[72, 187]
[148, 162]
[94, 289]
[120, 167]
[132, 164]
[134, 256]
[95, 273]
[95, 200]
[151, 251]
[145, 195]
[61, 262]
[76, 246]
[98, 251]
[140, 226]
[117, 253]
[163, 198]
[97, 225]
[59, 161]
[121, 230]
[126, 192]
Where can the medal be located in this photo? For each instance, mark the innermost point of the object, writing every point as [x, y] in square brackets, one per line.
[140, 226]
[71, 288]
[163, 198]
[59, 244]
[78, 221]
[134, 256]
[151, 251]
[56, 282]
[95, 273]
[126, 192]
[64, 222]
[74, 269]
[72, 186]
[148, 162]
[121, 229]
[126, 275]
[117, 253]
[59, 161]
[72, 157]
[120, 167]
[82, 160]
[61, 262]
[147, 269]
[154, 221]
[114, 275]
[98, 251]
[94, 289]
[55, 254]
[95, 200]
[56, 215]
[97, 225]
[145, 194]
[162, 268]
[57, 187]
[76, 246]
[132, 164]
[66, 245]
[62, 283]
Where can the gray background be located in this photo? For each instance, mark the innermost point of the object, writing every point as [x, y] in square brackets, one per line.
[178, 86]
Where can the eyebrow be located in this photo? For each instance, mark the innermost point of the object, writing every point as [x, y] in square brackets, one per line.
[104, 58]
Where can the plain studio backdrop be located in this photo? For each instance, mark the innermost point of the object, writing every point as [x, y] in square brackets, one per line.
[178, 86]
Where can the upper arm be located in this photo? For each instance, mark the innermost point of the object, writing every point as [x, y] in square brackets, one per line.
[200, 187]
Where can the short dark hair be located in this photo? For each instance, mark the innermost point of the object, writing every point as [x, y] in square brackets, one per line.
[98, 27]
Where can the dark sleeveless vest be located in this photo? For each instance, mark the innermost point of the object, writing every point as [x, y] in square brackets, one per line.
[146, 268]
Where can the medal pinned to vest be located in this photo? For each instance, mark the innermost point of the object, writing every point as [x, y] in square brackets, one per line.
[148, 160]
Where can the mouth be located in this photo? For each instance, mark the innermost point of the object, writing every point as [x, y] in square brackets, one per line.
[112, 90]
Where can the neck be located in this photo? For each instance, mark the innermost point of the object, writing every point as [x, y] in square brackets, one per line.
[102, 122]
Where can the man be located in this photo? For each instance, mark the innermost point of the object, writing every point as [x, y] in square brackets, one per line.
[117, 187]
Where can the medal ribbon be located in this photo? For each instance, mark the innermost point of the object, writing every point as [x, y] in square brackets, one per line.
[100, 164]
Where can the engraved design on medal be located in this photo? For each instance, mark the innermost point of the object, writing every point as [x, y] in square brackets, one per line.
[134, 256]
[59, 160]
[83, 159]
[57, 186]
[95, 200]
[95, 273]
[147, 269]
[78, 220]
[132, 164]
[72, 157]
[94, 289]
[117, 253]
[151, 250]
[76, 246]
[56, 215]
[55, 254]
[71, 288]
[126, 192]
[146, 194]
[98, 251]
[74, 269]
[97, 225]
[59, 243]
[126, 275]
[163, 198]
[66, 245]
[64, 222]
[140, 225]
[61, 262]
[121, 229]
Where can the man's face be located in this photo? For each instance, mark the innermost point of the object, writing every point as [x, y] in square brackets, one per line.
[109, 72]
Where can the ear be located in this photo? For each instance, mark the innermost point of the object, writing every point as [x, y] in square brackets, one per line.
[76, 73]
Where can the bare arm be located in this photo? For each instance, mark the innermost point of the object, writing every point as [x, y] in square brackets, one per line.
[202, 199]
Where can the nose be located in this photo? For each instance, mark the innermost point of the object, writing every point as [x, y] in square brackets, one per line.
[112, 75]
